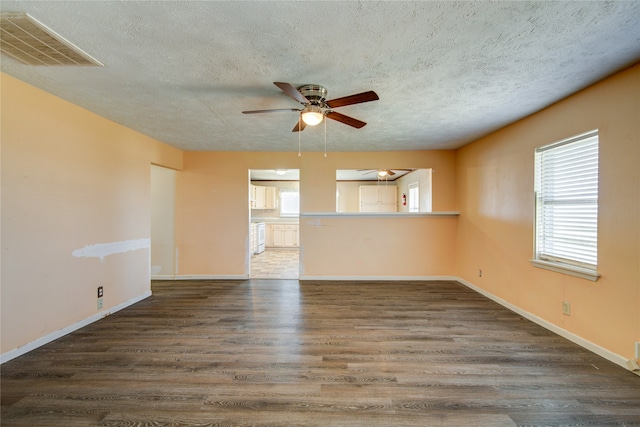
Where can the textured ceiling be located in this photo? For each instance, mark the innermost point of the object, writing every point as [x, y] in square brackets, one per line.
[446, 72]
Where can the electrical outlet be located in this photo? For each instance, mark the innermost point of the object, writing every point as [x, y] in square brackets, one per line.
[100, 292]
[479, 273]
[566, 308]
[100, 303]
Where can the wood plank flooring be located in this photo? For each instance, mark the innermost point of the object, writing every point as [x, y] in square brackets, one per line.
[284, 353]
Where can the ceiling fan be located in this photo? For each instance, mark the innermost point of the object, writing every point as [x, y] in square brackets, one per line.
[384, 173]
[315, 107]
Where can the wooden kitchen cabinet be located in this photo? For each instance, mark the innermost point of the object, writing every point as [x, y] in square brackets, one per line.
[263, 197]
[270, 199]
[268, 238]
[282, 236]
[378, 198]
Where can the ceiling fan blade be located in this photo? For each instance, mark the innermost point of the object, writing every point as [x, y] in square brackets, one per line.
[292, 92]
[353, 99]
[279, 110]
[390, 172]
[299, 126]
[345, 119]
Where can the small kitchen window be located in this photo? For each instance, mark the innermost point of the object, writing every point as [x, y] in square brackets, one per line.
[289, 202]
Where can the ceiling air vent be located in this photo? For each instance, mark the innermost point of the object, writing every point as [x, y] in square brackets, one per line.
[32, 43]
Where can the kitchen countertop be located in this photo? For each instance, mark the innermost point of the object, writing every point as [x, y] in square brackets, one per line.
[286, 221]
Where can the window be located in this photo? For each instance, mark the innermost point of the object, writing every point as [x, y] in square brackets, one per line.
[289, 202]
[414, 197]
[566, 186]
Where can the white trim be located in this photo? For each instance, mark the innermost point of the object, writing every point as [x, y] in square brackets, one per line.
[600, 351]
[201, 277]
[16, 352]
[571, 270]
[378, 278]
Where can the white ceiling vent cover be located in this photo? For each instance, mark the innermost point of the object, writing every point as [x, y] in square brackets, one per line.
[32, 43]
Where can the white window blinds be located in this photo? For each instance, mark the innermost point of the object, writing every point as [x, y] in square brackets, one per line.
[567, 202]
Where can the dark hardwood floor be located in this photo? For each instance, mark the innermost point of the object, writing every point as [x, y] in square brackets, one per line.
[280, 353]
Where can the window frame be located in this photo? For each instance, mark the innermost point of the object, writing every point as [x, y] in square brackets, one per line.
[548, 205]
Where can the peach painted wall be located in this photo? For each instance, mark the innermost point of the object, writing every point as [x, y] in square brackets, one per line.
[377, 247]
[212, 230]
[495, 230]
[71, 180]
[212, 211]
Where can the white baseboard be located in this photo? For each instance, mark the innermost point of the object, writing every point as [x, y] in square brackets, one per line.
[201, 277]
[16, 352]
[609, 355]
[378, 278]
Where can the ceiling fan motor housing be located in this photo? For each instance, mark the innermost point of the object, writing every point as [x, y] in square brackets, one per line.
[314, 93]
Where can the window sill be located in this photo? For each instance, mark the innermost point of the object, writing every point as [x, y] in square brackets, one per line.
[582, 273]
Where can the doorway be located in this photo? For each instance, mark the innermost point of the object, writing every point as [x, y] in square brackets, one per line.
[274, 200]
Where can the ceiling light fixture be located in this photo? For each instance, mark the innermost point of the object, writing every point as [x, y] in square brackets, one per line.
[382, 173]
[312, 115]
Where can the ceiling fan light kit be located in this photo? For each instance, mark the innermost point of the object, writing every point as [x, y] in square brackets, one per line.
[312, 115]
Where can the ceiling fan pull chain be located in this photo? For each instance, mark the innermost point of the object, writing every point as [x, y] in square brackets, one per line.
[325, 138]
[299, 132]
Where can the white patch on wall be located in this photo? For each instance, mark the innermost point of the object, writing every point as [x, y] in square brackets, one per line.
[102, 250]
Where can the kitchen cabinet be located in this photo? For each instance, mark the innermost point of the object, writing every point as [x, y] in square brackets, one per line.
[263, 197]
[282, 236]
[378, 198]
[269, 236]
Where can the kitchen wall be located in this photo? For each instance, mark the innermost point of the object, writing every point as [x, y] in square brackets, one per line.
[495, 229]
[75, 215]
